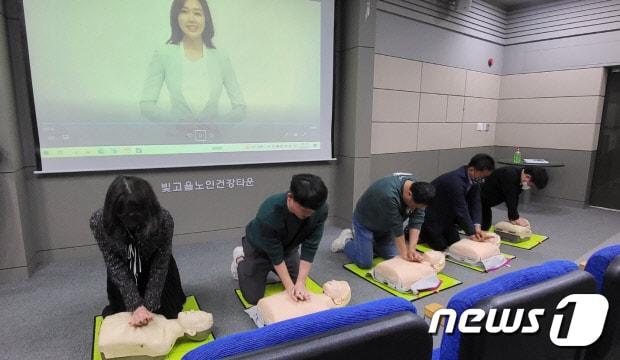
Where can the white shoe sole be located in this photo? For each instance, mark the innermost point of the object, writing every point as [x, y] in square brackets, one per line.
[342, 239]
[237, 253]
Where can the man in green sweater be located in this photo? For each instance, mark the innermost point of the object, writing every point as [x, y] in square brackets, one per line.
[379, 217]
[272, 239]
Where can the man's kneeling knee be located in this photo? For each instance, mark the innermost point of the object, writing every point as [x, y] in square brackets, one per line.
[252, 299]
[363, 264]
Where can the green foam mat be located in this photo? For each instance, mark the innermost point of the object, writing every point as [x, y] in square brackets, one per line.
[535, 240]
[424, 248]
[181, 347]
[446, 282]
[275, 288]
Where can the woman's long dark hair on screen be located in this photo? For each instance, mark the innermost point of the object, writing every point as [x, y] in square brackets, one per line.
[176, 32]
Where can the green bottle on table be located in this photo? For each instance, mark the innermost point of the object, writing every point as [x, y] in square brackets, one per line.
[516, 158]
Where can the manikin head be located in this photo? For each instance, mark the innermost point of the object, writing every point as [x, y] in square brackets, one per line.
[195, 324]
[436, 259]
[338, 291]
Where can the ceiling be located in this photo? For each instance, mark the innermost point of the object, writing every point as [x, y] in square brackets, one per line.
[509, 5]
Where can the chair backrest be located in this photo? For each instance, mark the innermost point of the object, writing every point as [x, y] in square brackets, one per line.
[605, 266]
[368, 316]
[545, 295]
[599, 261]
[398, 336]
[472, 297]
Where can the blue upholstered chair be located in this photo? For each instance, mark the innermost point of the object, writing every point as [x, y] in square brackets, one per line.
[541, 286]
[604, 265]
[383, 328]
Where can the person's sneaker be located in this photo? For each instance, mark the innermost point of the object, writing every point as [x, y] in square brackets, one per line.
[237, 253]
[338, 244]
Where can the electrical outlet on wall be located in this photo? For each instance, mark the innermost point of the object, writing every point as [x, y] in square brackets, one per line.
[483, 126]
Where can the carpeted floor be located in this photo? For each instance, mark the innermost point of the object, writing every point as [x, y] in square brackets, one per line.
[51, 314]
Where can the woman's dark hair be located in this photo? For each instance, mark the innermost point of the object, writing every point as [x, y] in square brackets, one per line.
[177, 34]
[422, 192]
[482, 162]
[308, 190]
[126, 196]
[539, 176]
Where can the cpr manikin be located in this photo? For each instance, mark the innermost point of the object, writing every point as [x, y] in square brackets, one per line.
[483, 253]
[406, 276]
[279, 307]
[118, 339]
[512, 232]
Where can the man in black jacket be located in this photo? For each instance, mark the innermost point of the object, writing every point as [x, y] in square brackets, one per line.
[456, 204]
[505, 185]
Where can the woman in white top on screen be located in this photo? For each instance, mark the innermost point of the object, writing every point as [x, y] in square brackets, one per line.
[194, 70]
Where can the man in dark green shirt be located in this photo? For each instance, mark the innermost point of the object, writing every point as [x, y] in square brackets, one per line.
[379, 217]
[272, 239]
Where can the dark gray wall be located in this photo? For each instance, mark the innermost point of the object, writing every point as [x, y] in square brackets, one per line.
[550, 20]
[196, 213]
[553, 36]
[563, 35]
[481, 21]
[354, 103]
[570, 182]
[561, 19]
[425, 165]
[568, 185]
[14, 251]
[574, 52]
[401, 33]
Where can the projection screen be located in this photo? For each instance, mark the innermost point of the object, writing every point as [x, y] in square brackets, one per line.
[137, 84]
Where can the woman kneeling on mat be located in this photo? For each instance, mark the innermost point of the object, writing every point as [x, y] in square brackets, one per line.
[134, 234]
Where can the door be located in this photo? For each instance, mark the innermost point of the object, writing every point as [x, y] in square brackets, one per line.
[606, 179]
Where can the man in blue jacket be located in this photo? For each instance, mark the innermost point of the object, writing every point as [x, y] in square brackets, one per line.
[456, 204]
